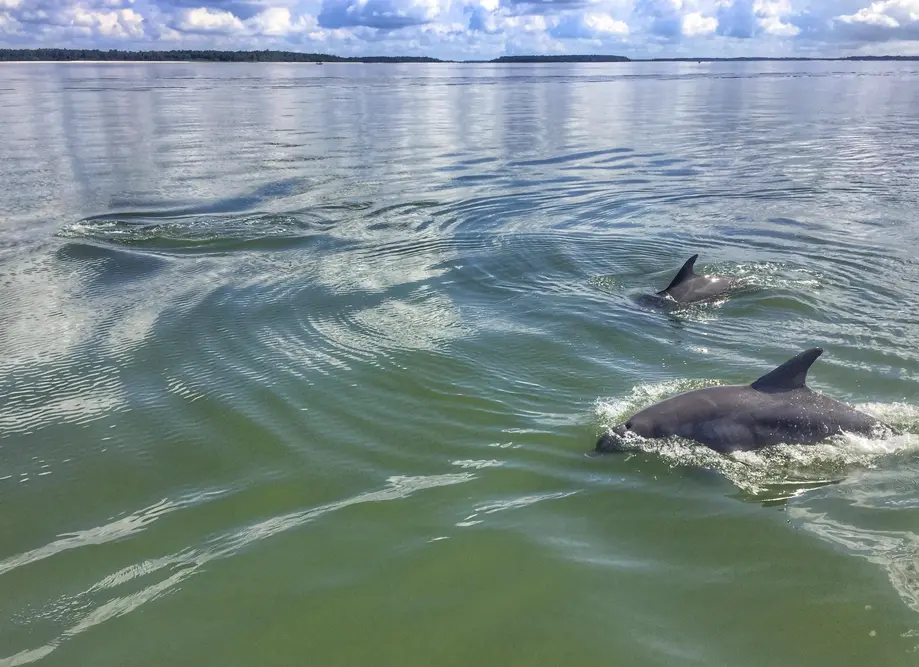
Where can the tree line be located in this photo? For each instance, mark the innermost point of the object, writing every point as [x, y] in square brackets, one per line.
[186, 55]
[266, 56]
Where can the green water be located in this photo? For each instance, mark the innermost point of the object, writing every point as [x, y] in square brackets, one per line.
[302, 365]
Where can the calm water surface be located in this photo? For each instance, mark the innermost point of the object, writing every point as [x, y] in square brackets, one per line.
[301, 364]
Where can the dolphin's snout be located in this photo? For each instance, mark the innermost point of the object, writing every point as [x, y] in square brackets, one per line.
[613, 440]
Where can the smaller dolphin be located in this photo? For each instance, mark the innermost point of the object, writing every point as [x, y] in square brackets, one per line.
[776, 408]
[687, 286]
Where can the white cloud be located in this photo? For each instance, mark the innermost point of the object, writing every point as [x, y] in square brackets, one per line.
[773, 25]
[273, 21]
[527, 24]
[887, 14]
[603, 23]
[386, 15]
[882, 21]
[77, 20]
[277, 21]
[472, 28]
[871, 18]
[771, 13]
[122, 23]
[695, 24]
[772, 7]
[205, 19]
[8, 25]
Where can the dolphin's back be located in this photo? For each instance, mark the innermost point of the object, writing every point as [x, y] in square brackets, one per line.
[688, 286]
[713, 416]
[733, 417]
[776, 408]
[699, 288]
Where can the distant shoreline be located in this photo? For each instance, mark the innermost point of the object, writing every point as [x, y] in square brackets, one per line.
[190, 56]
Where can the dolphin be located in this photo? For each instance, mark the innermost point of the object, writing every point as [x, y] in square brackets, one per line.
[687, 286]
[776, 408]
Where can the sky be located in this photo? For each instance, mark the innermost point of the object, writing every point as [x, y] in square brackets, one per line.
[473, 29]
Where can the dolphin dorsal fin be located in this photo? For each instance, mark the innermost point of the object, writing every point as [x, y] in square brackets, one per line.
[790, 375]
[683, 274]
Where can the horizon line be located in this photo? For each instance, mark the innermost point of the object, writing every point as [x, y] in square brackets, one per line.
[277, 55]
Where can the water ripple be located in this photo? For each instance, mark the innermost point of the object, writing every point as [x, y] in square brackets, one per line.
[369, 273]
[180, 566]
[896, 548]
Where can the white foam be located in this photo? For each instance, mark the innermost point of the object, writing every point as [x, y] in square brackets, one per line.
[491, 463]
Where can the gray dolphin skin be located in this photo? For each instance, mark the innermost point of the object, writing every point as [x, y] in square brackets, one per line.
[687, 286]
[776, 408]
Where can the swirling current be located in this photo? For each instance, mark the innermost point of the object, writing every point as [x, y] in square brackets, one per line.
[303, 363]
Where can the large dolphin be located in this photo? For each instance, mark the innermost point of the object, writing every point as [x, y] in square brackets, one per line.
[776, 408]
[687, 286]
